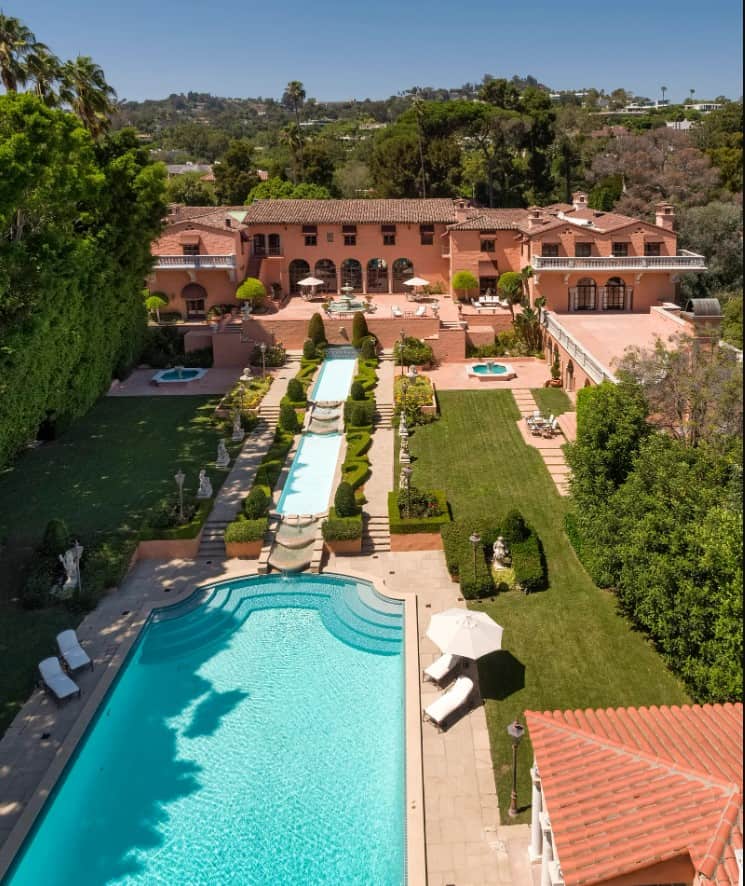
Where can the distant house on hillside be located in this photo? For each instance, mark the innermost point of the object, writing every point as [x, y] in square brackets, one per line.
[175, 169]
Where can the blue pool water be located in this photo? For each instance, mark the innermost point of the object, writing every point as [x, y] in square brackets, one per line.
[171, 375]
[256, 738]
[493, 369]
[335, 377]
[307, 489]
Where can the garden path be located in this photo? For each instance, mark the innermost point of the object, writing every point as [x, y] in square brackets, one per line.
[550, 449]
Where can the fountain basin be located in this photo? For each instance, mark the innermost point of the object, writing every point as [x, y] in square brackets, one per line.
[178, 375]
[491, 371]
[342, 307]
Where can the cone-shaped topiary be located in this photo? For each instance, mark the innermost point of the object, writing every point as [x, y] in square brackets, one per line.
[369, 348]
[295, 391]
[56, 538]
[256, 503]
[316, 329]
[514, 528]
[309, 350]
[359, 329]
[357, 392]
[344, 502]
[288, 418]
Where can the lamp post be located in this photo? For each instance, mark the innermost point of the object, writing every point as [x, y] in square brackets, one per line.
[78, 549]
[402, 338]
[515, 731]
[407, 472]
[262, 348]
[474, 538]
[179, 477]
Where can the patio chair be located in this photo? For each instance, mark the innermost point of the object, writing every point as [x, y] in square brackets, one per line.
[420, 311]
[56, 681]
[71, 652]
[552, 428]
[442, 668]
[449, 702]
[396, 311]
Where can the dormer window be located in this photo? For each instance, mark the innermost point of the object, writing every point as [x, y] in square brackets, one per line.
[191, 248]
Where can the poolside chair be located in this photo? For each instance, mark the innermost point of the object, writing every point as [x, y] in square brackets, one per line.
[396, 311]
[71, 652]
[442, 668]
[56, 681]
[551, 428]
[420, 311]
[449, 702]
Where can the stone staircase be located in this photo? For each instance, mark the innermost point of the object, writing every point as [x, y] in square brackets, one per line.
[453, 324]
[384, 415]
[376, 535]
[212, 543]
[386, 355]
[269, 413]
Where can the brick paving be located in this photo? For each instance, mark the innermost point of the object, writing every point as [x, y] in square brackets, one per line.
[550, 449]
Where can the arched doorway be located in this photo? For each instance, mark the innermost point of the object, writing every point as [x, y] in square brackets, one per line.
[195, 299]
[351, 274]
[377, 275]
[299, 269]
[585, 294]
[615, 294]
[403, 269]
[326, 270]
[569, 379]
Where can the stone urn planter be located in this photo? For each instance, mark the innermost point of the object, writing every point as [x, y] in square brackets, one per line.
[553, 383]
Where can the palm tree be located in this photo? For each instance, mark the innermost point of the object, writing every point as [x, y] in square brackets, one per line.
[292, 137]
[295, 93]
[16, 43]
[85, 89]
[692, 93]
[663, 90]
[45, 70]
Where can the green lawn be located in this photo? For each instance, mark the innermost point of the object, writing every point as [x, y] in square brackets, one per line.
[565, 647]
[100, 477]
[552, 401]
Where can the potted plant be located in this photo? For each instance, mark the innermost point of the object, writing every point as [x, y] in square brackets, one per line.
[555, 381]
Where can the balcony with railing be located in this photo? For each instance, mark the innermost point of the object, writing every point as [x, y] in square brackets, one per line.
[686, 261]
[577, 351]
[267, 251]
[194, 262]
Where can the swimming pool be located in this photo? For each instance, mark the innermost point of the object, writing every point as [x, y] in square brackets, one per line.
[307, 489]
[255, 737]
[335, 377]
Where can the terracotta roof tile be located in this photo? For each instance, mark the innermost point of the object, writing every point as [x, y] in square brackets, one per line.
[493, 220]
[626, 788]
[291, 212]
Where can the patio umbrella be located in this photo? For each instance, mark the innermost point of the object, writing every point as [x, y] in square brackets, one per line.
[416, 281]
[465, 633]
[310, 281]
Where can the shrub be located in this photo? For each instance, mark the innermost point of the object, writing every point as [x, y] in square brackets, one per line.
[40, 580]
[510, 286]
[359, 329]
[56, 538]
[357, 392]
[414, 352]
[573, 533]
[344, 502]
[166, 514]
[256, 503]
[295, 391]
[463, 282]
[514, 528]
[418, 503]
[316, 329]
[200, 358]
[244, 529]
[402, 526]
[163, 346]
[288, 418]
[273, 356]
[555, 367]
[355, 471]
[337, 528]
[309, 350]
[252, 291]
[358, 442]
[369, 348]
[359, 413]
[528, 564]
[154, 302]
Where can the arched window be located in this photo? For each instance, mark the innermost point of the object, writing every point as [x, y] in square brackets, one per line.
[377, 275]
[195, 297]
[585, 295]
[351, 274]
[326, 270]
[615, 294]
[299, 269]
[403, 269]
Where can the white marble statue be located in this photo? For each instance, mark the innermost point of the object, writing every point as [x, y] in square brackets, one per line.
[238, 432]
[223, 456]
[205, 487]
[70, 561]
[402, 480]
[500, 554]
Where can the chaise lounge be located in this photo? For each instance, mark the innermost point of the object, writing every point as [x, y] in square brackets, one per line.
[56, 681]
[442, 668]
[71, 652]
[440, 711]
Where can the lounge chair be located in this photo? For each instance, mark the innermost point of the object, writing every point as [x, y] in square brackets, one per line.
[442, 668]
[396, 311]
[420, 311]
[552, 428]
[449, 702]
[71, 652]
[56, 681]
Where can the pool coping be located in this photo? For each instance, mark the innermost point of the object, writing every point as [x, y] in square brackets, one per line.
[414, 781]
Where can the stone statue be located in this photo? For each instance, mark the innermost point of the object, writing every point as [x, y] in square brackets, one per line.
[205, 487]
[238, 432]
[500, 554]
[70, 562]
[402, 480]
[223, 456]
[403, 456]
[403, 431]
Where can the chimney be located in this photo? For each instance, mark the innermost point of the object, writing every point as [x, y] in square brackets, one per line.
[535, 216]
[461, 208]
[579, 200]
[665, 216]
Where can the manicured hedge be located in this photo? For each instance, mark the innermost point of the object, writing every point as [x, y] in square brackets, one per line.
[359, 413]
[572, 533]
[242, 529]
[188, 530]
[341, 528]
[401, 526]
[358, 443]
[528, 564]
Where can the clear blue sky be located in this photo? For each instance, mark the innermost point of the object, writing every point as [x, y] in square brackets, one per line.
[375, 48]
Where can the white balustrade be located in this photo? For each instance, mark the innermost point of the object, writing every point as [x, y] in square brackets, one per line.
[194, 261]
[686, 261]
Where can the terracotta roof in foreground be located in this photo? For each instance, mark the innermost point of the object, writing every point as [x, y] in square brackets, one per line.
[295, 212]
[626, 788]
[210, 216]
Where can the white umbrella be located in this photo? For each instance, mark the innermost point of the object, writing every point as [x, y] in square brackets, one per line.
[416, 281]
[310, 281]
[465, 633]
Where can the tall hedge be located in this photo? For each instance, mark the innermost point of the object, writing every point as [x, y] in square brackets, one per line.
[316, 329]
[77, 220]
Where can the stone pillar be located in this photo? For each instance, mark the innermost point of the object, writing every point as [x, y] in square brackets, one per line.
[364, 281]
[536, 805]
[390, 280]
[548, 851]
[338, 279]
